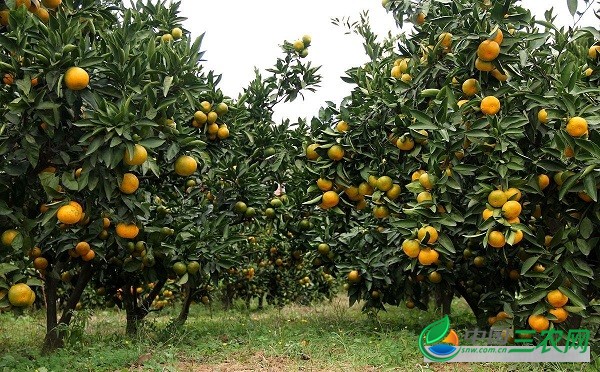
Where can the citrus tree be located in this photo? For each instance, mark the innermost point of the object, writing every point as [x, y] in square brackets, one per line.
[464, 163]
[97, 106]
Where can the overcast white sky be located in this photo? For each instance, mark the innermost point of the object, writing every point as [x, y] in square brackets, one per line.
[244, 34]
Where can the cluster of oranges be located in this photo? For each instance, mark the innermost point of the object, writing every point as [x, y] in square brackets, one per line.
[557, 300]
[301, 46]
[505, 204]
[400, 70]
[33, 6]
[206, 119]
[83, 250]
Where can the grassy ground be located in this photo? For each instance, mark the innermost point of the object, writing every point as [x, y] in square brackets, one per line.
[324, 337]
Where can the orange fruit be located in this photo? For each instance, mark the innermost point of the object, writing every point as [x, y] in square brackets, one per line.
[127, 230]
[445, 39]
[353, 193]
[40, 263]
[205, 106]
[513, 194]
[82, 248]
[365, 189]
[411, 247]
[518, 237]
[424, 196]
[556, 298]
[330, 199]
[490, 105]
[543, 181]
[76, 78]
[211, 117]
[416, 174]
[8, 79]
[420, 18]
[402, 64]
[594, 51]
[324, 184]
[384, 183]
[483, 66]
[200, 118]
[513, 220]
[43, 15]
[406, 78]
[496, 239]
[396, 72]
[354, 276]
[538, 322]
[426, 181]
[560, 313]
[89, 256]
[311, 151]
[69, 214]
[434, 277]
[223, 132]
[585, 197]
[335, 153]
[212, 129]
[394, 192]
[428, 256]
[433, 234]
[486, 214]
[21, 295]
[129, 183]
[51, 4]
[139, 155]
[569, 152]
[542, 116]
[105, 223]
[470, 87]
[497, 198]
[185, 165]
[381, 211]
[488, 50]
[511, 209]
[8, 236]
[577, 126]
[405, 143]
[4, 15]
[342, 126]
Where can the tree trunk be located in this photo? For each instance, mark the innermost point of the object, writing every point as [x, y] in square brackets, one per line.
[447, 296]
[185, 308]
[136, 312]
[130, 304]
[52, 340]
[84, 278]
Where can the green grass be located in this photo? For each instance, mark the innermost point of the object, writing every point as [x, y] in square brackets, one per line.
[328, 336]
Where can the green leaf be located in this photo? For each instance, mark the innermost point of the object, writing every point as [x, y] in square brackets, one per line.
[586, 228]
[528, 264]
[533, 298]
[572, 5]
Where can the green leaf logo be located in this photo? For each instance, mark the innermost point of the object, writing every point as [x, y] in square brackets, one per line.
[437, 330]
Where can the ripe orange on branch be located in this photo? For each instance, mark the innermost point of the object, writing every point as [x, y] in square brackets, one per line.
[76, 78]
